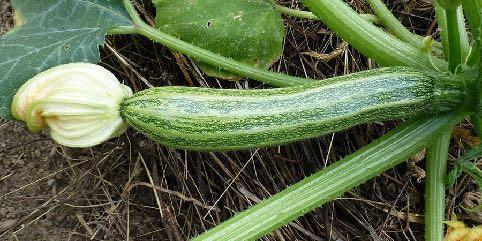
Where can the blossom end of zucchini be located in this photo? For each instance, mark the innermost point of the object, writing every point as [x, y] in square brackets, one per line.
[78, 102]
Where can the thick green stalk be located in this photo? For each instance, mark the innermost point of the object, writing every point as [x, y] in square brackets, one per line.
[454, 40]
[329, 183]
[464, 37]
[442, 25]
[309, 15]
[372, 41]
[396, 28]
[472, 9]
[458, 23]
[436, 168]
[392, 23]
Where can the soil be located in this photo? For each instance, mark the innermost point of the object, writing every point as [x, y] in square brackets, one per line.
[131, 188]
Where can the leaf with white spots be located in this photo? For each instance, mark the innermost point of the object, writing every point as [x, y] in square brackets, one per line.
[249, 31]
[53, 32]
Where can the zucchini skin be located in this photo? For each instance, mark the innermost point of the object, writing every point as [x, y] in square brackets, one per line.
[207, 119]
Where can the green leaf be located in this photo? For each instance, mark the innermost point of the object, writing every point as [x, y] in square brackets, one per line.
[55, 32]
[453, 175]
[464, 164]
[249, 31]
[471, 169]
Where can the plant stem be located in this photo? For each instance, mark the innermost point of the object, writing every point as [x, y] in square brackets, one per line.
[329, 183]
[309, 15]
[209, 57]
[392, 23]
[219, 61]
[472, 9]
[296, 13]
[454, 46]
[396, 28]
[454, 40]
[372, 41]
[442, 24]
[436, 168]
[122, 30]
[363, 35]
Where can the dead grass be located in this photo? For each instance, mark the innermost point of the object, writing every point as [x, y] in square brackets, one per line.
[134, 189]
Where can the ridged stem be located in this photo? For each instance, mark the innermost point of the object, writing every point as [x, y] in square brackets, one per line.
[395, 27]
[309, 15]
[372, 41]
[331, 182]
[436, 168]
[472, 9]
[442, 25]
[453, 32]
[454, 41]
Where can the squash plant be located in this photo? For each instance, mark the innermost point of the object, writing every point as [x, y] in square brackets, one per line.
[434, 83]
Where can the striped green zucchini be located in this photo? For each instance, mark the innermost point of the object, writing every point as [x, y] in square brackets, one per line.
[219, 119]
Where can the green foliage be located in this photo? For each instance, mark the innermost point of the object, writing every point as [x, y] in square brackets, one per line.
[55, 32]
[450, 4]
[249, 31]
[464, 164]
[453, 175]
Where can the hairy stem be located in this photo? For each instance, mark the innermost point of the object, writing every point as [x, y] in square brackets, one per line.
[372, 41]
[454, 39]
[436, 168]
[457, 23]
[331, 182]
[309, 15]
[454, 46]
[442, 25]
[393, 25]
[472, 9]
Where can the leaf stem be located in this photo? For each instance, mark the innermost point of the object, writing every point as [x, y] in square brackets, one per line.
[309, 15]
[394, 26]
[442, 25]
[436, 168]
[206, 56]
[372, 41]
[131, 9]
[122, 30]
[454, 39]
[454, 46]
[295, 13]
[472, 9]
[329, 183]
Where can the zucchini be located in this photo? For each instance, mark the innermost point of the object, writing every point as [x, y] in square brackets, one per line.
[219, 119]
